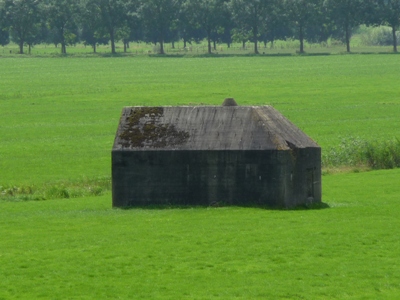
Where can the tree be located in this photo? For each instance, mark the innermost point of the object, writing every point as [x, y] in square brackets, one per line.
[132, 30]
[92, 31]
[303, 13]
[251, 15]
[113, 15]
[62, 17]
[22, 18]
[277, 24]
[208, 15]
[389, 11]
[39, 36]
[346, 14]
[187, 30]
[158, 17]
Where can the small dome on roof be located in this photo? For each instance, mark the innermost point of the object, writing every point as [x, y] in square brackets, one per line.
[229, 102]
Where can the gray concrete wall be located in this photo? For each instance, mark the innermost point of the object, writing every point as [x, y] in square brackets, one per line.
[273, 177]
[303, 177]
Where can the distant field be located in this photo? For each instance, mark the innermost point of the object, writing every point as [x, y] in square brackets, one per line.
[83, 249]
[58, 116]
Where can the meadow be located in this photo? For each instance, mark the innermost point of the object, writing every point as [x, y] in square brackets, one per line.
[58, 117]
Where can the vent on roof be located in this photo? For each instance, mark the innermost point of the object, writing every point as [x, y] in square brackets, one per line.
[229, 102]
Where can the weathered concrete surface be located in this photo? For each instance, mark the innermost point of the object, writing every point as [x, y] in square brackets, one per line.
[211, 154]
[207, 128]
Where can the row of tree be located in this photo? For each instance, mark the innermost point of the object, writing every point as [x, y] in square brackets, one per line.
[94, 22]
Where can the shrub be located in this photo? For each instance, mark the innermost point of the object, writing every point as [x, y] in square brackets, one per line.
[384, 155]
[348, 153]
[354, 152]
[377, 36]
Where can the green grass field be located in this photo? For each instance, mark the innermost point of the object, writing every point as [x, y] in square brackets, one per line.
[58, 117]
[83, 249]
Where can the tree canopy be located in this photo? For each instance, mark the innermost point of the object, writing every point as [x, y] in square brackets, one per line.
[65, 22]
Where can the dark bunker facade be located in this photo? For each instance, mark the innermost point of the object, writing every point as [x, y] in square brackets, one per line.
[213, 155]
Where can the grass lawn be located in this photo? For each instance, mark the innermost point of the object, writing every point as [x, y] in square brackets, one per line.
[58, 117]
[83, 249]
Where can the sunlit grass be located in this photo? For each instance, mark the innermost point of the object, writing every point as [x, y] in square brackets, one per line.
[58, 116]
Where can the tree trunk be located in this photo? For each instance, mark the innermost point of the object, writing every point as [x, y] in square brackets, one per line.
[347, 39]
[21, 47]
[244, 45]
[29, 48]
[94, 47]
[301, 38]
[63, 48]
[173, 45]
[112, 41]
[209, 41]
[124, 47]
[394, 39]
[184, 43]
[162, 46]
[255, 40]
[161, 40]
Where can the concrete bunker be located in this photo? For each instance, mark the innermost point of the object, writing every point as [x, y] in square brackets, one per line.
[202, 155]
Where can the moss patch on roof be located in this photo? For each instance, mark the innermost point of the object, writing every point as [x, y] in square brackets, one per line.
[144, 128]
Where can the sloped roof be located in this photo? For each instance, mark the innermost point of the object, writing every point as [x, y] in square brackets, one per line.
[207, 128]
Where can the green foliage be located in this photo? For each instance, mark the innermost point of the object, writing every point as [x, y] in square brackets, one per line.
[62, 18]
[22, 18]
[206, 15]
[4, 37]
[250, 16]
[158, 16]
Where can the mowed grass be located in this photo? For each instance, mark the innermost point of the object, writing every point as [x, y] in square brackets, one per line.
[58, 116]
[83, 249]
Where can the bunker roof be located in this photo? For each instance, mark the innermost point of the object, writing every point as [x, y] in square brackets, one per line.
[226, 127]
